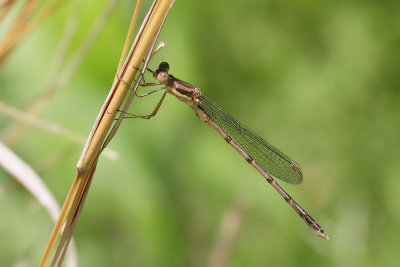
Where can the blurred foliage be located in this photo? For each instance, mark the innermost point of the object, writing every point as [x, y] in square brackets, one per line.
[318, 79]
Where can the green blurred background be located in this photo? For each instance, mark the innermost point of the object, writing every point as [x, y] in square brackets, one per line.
[319, 80]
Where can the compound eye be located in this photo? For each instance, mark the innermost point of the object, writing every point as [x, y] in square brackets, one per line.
[162, 77]
[164, 66]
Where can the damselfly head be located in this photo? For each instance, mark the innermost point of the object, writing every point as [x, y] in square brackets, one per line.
[161, 74]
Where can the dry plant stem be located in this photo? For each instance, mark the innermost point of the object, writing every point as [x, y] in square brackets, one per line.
[58, 81]
[72, 220]
[120, 87]
[83, 188]
[133, 91]
[88, 160]
[59, 224]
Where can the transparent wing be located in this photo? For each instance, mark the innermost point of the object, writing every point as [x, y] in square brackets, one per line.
[270, 159]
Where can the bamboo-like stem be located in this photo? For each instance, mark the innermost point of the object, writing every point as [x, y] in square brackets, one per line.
[94, 145]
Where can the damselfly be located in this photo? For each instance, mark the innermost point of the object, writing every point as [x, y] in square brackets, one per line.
[265, 158]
